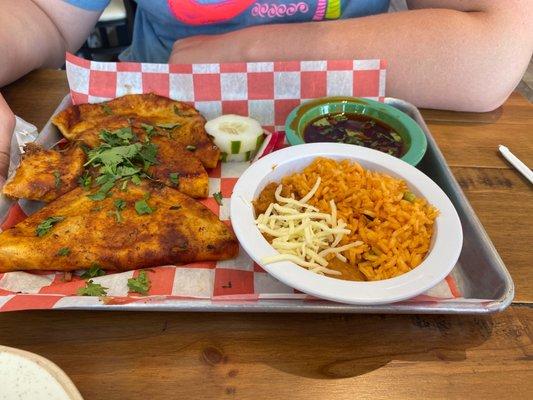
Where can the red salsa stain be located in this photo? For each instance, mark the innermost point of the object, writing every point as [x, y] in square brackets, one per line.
[356, 129]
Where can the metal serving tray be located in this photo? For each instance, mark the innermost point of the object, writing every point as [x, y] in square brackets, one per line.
[482, 277]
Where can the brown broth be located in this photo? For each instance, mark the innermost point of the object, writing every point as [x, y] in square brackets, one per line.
[355, 129]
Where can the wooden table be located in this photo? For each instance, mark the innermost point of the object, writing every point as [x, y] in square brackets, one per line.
[276, 356]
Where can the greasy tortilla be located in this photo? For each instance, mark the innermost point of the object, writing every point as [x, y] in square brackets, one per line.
[84, 121]
[44, 175]
[177, 230]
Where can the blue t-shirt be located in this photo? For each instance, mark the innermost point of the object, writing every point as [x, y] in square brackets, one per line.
[159, 23]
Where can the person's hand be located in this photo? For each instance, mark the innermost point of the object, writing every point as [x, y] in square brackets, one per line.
[7, 124]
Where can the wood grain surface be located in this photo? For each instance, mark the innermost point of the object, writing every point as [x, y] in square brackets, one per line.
[261, 356]
[282, 356]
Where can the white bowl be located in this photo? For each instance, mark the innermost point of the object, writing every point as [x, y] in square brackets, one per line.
[444, 250]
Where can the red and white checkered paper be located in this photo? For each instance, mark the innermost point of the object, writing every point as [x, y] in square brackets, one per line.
[267, 91]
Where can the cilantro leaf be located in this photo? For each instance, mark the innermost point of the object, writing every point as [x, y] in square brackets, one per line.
[92, 289]
[181, 113]
[125, 171]
[85, 180]
[121, 156]
[107, 109]
[142, 207]
[92, 272]
[57, 178]
[44, 227]
[103, 192]
[136, 180]
[170, 125]
[119, 206]
[148, 128]
[110, 157]
[125, 134]
[218, 198]
[174, 178]
[141, 284]
[148, 153]
[119, 137]
[190, 147]
[63, 251]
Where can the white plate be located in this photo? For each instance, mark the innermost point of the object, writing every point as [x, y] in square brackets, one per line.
[444, 251]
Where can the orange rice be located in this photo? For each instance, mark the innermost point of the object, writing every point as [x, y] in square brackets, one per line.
[396, 232]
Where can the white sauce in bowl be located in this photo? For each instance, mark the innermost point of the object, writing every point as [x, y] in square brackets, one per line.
[24, 379]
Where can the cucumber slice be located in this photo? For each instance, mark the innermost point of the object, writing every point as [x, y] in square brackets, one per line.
[242, 157]
[235, 134]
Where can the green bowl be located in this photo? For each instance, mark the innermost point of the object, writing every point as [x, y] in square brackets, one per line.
[411, 133]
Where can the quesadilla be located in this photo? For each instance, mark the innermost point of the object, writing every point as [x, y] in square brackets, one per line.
[145, 226]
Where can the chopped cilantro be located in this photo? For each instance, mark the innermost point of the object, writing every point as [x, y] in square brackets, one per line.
[136, 180]
[85, 148]
[142, 207]
[103, 192]
[181, 113]
[63, 251]
[119, 206]
[44, 227]
[120, 137]
[92, 289]
[174, 178]
[107, 109]
[148, 128]
[110, 157]
[190, 147]
[125, 171]
[148, 153]
[85, 180]
[141, 284]
[94, 271]
[57, 178]
[218, 198]
[170, 125]
[119, 156]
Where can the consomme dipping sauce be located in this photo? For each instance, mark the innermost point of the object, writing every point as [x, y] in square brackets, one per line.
[356, 129]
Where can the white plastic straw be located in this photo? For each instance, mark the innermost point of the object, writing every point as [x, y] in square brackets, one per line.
[515, 162]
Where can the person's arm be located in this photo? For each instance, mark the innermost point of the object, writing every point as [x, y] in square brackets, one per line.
[36, 34]
[459, 55]
[7, 124]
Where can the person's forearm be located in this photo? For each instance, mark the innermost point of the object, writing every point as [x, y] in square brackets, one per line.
[435, 57]
[28, 40]
[7, 124]
[36, 33]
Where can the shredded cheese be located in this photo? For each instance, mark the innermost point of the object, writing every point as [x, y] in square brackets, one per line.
[302, 234]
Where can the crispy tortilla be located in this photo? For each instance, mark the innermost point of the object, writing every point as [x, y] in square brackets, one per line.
[179, 230]
[44, 175]
[84, 121]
